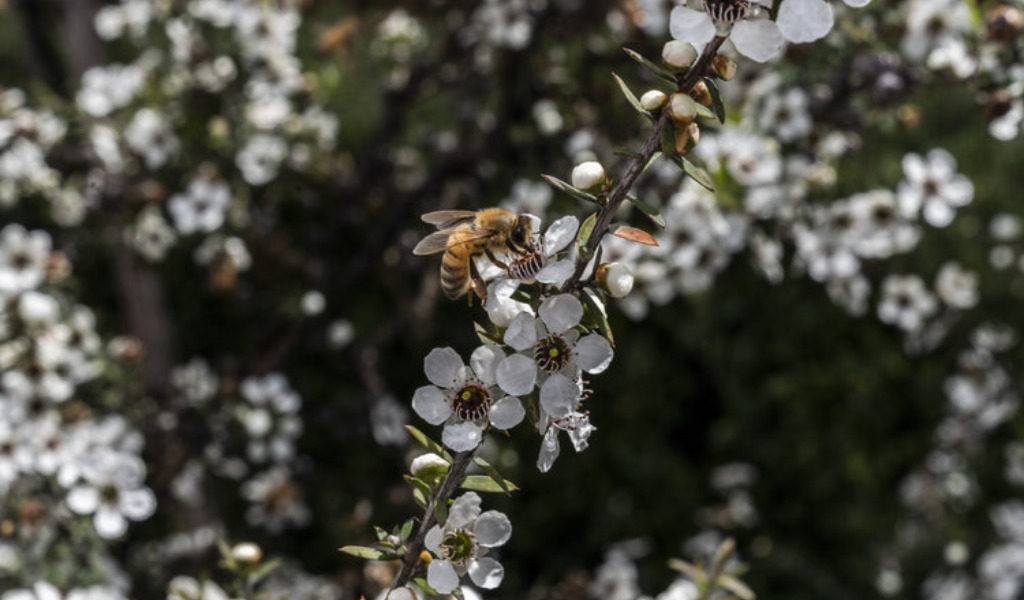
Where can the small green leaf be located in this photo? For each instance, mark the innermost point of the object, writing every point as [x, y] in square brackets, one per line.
[597, 314]
[493, 473]
[263, 571]
[695, 173]
[441, 512]
[418, 485]
[668, 138]
[716, 99]
[570, 190]
[365, 552]
[651, 66]
[627, 153]
[629, 96]
[649, 211]
[406, 530]
[705, 112]
[484, 336]
[424, 587]
[420, 498]
[428, 443]
[381, 533]
[585, 231]
[736, 587]
[484, 483]
[654, 159]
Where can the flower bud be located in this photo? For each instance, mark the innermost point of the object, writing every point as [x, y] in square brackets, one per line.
[429, 467]
[723, 67]
[588, 175]
[247, 553]
[653, 99]
[682, 108]
[686, 138]
[615, 277]
[1004, 23]
[701, 94]
[679, 54]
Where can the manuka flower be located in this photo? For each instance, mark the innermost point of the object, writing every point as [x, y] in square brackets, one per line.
[551, 352]
[465, 396]
[933, 187]
[461, 544]
[754, 35]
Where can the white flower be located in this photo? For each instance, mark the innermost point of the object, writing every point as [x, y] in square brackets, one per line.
[906, 302]
[465, 396]
[933, 186]
[23, 257]
[201, 207]
[151, 235]
[270, 418]
[112, 492]
[576, 425]
[276, 501]
[150, 134]
[261, 157]
[462, 543]
[551, 345]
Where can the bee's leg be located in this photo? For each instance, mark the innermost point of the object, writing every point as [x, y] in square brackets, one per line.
[479, 285]
[494, 259]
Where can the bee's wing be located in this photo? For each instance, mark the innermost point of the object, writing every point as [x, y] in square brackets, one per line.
[433, 243]
[446, 219]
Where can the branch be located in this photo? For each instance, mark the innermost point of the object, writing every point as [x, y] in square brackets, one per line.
[614, 198]
[455, 475]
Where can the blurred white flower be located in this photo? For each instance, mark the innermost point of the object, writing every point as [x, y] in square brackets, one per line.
[933, 187]
[956, 286]
[201, 207]
[112, 492]
[906, 302]
[150, 135]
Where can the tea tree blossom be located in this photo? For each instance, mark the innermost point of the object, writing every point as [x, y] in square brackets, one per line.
[201, 207]
[112, 492]
[461, 544]
[906, 302]
[933, 187]
[465, 398]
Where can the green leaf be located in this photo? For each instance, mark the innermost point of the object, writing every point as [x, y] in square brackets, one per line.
[382, 534]
[406, 530]
[705, 112]
[668, 138]
[428, 443]
[585, 231]
[629, 96]
[420, 498]
[366, 552]
[627, 153]
[654, 159]
[418, 485]
[652, 67]
[263, 571]
[486, 484]
[598, 316]
[441, 512]
[493, 473]
[649, 211]
[570, 190]
[736, 587]
[716, 99]
[484, 336]
[695, 173]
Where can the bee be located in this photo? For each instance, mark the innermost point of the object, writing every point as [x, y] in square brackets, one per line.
[527, 266]
[465, 235]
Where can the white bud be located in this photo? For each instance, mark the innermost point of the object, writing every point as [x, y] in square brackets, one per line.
[679, 54]
[247, 552]
[618, 280]
[429, 466]
[340, 333]
[587, 175]
[682, 108]
[653, 99]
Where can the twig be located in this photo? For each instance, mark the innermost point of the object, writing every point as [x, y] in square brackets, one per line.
[618, 194]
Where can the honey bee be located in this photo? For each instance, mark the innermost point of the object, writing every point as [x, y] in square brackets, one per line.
[464, 235]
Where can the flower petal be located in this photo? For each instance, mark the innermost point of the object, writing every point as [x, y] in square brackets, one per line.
[593, 353]
[492, 529]
[690, 25]
[83, 500]
[757, 40]
[507, 413]
[485, 360]
[557, 272]
[465, 509]
[548, 450]
[442, 577]
[462, 437]
[561, 312]
[521, 333]
[137, 505]
[432, 541]
[560, 234]
[802, 21]
[559, 395]
[486, 572]
[443, 367]
[109, 523]
[517, 375]
[431, 405]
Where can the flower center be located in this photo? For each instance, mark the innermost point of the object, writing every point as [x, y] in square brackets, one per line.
[471, 402]
[552, 353]
[726, 11]
[458, 547]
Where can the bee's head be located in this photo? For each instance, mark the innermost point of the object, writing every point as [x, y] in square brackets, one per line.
[522, 232]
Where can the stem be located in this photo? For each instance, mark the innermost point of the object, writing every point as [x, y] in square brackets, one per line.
[618, 193]
[412, 557]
